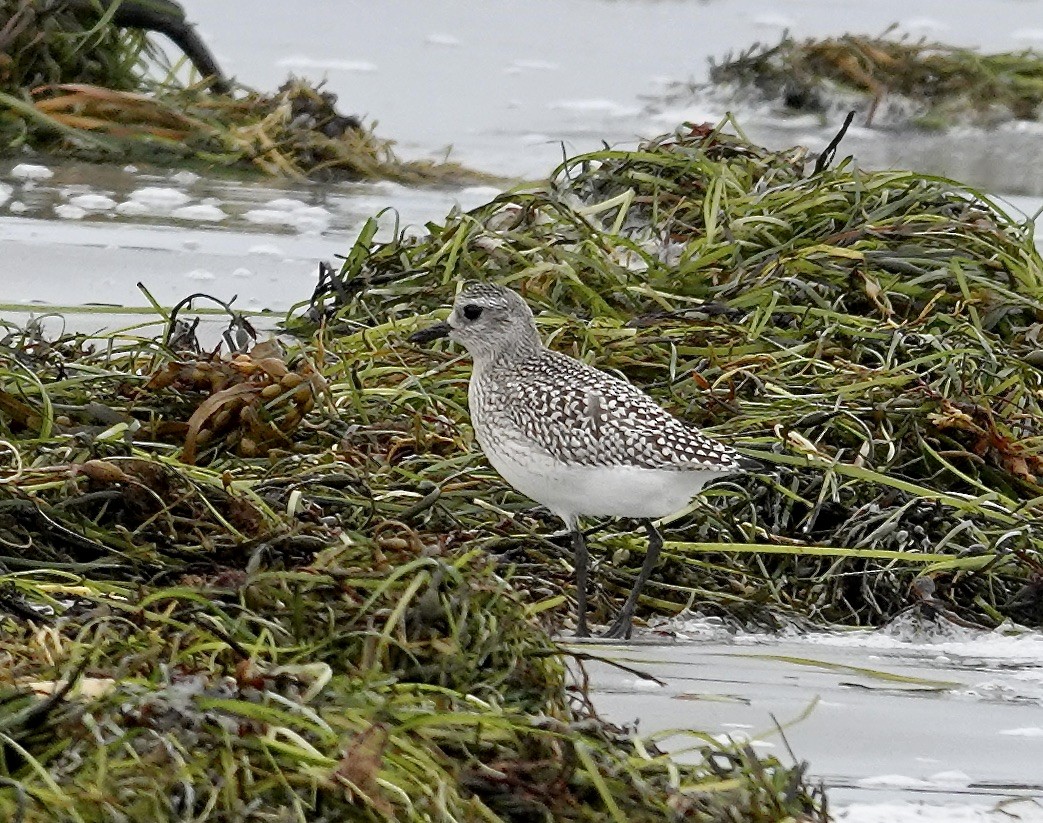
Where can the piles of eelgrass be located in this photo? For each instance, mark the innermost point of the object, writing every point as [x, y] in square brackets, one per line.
[921, 83]
[319, 618]
[74, 83]
[871, 336]
[290, 637]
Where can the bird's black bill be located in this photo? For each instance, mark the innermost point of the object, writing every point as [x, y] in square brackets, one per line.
[430, 333]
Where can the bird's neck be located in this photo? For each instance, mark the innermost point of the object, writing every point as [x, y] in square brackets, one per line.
[509, 354]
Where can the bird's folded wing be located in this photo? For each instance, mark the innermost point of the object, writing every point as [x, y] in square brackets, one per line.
[586, 417]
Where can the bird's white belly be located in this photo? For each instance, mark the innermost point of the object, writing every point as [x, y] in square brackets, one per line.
[613, 491]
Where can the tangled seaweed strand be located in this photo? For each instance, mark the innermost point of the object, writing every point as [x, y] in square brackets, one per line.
[872, 336]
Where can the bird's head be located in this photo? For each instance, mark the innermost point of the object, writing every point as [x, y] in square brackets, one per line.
[488, 320]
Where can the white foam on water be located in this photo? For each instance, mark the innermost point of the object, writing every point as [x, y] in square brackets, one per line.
[639, 684]
[697, 627]
[952, 778]
[1013, 687]
[68, 212]
[314, 220]
[1024, 811]
[1022, 126]
[159, 198]
[741, 739]
[389, 187]
[293, 213]
[132, 208]
[266, 217]
[1002, 644]
[894, 781]
[286, 204]
[184, 177]
[93, 202]
[201, 213]
[30, 171]
[1006, 663]
[938, 641]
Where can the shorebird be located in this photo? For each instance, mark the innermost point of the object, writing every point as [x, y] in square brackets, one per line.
[575, 439]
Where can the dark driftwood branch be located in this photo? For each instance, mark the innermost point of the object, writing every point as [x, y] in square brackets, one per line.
[166, 17]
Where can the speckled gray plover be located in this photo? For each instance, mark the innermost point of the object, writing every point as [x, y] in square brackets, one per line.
[577, 440]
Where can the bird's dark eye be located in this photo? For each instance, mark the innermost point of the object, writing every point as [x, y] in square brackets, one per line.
[472, 312]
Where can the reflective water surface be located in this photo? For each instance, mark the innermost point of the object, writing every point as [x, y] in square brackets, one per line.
[909, 716]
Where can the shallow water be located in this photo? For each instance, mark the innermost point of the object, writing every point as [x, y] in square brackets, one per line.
[506, 89]
[85, 235]
[509, 90]
[933, 717]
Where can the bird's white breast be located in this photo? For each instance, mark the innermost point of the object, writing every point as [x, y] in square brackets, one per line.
[573, 490]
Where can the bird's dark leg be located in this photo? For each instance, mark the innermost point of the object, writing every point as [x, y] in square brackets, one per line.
[621, 627]
[579, 546]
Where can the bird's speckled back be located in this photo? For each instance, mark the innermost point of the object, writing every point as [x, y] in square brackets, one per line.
[578, 415]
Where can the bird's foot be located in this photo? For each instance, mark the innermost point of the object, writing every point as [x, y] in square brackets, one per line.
[621, 629]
